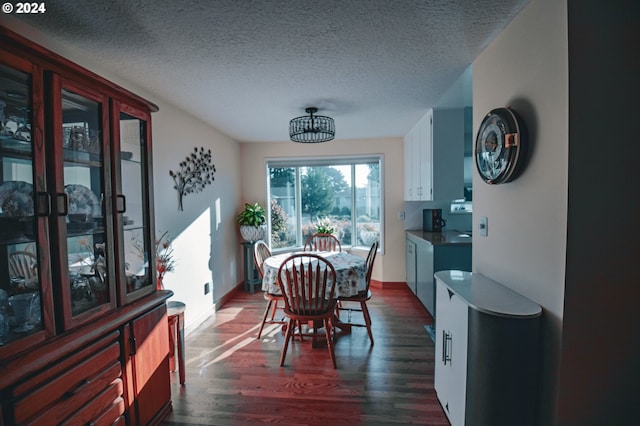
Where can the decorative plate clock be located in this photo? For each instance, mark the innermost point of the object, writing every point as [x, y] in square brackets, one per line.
[500, 146]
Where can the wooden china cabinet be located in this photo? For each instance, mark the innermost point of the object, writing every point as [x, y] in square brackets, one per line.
[83, 329]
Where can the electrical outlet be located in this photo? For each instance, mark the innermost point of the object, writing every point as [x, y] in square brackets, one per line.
[206, 288]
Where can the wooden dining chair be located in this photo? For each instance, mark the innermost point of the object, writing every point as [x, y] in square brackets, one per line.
[261, 253]
[308, 283]
[362, 297]
[322, 242]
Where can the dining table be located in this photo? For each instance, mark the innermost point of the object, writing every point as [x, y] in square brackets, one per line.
[350, 272]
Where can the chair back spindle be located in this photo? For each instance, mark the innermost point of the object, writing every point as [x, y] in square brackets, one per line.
[322, 242]
[371, 257]
[261, 253]
[308, 284]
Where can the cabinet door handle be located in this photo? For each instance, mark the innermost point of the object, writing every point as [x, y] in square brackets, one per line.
[446, 348]
[43, 204]
[62, 204]
[134, 349]
[121, 207]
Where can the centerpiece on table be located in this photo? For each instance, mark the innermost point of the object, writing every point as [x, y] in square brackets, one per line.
[324, 226]
[252, 222]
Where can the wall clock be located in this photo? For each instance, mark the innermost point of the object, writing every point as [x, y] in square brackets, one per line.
[500, 146]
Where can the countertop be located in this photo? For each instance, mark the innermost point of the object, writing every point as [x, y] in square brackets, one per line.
[488, 296]
[444, 237]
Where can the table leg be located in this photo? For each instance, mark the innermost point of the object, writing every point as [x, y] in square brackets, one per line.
[345, 328]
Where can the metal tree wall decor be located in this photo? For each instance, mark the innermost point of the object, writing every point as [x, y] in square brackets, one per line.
[196, 172]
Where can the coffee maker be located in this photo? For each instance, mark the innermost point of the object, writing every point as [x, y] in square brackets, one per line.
[432, 220]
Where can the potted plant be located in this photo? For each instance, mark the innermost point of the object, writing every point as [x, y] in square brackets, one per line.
[252, 222]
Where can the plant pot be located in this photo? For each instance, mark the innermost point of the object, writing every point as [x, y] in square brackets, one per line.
[252, 234]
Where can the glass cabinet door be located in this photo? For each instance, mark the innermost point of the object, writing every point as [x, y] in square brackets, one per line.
[80, 129]
[136, 248]
[24, 282]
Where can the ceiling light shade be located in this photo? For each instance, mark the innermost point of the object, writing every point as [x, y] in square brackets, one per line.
[312, 128]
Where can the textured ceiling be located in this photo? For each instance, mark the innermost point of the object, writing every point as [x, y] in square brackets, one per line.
[248, 66]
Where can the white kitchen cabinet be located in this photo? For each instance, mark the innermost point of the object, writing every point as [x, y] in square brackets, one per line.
[487, 340]
[417, 151]
[408, 165]
[432, 252]
[434, 156]
[451, 354]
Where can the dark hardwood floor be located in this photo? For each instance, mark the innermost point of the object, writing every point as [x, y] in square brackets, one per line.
[234, 379]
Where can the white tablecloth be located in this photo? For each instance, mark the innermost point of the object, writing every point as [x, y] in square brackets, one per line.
[350, 272]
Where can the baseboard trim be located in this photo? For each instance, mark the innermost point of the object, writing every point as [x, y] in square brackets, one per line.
[230, 295]
[388, 284]
[194, 323]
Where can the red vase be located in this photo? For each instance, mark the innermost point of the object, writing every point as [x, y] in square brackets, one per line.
[159, 284]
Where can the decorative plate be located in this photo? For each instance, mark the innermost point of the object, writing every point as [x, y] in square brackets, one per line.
[16, 199]
[82, 200]
[500, 146]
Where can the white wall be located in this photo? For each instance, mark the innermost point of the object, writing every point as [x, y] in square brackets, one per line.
[204, 233]
[389, 266]
[526, 68]
[205, 230]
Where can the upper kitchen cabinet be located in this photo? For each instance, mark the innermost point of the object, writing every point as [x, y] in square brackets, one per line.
[434, 156]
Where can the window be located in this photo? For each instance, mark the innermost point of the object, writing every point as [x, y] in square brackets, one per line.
[346, 191]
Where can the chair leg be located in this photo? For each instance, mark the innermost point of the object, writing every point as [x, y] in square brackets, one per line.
[328, 326]
[287, 337]
[367, 319]
[275, 308]
[264, 317]
[295, 324]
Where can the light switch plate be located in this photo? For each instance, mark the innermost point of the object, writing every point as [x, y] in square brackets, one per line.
[483, 226]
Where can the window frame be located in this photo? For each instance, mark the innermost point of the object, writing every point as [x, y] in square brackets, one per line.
[324, 161]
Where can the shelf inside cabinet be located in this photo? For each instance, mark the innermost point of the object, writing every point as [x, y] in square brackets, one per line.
[15, 147]
[131, 161]
[81, 232]
[15, 239]
[133, 227]
[82, 157]
[15, 230]
[93, 225]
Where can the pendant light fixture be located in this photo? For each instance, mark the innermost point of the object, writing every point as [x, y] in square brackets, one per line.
[312, 128]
